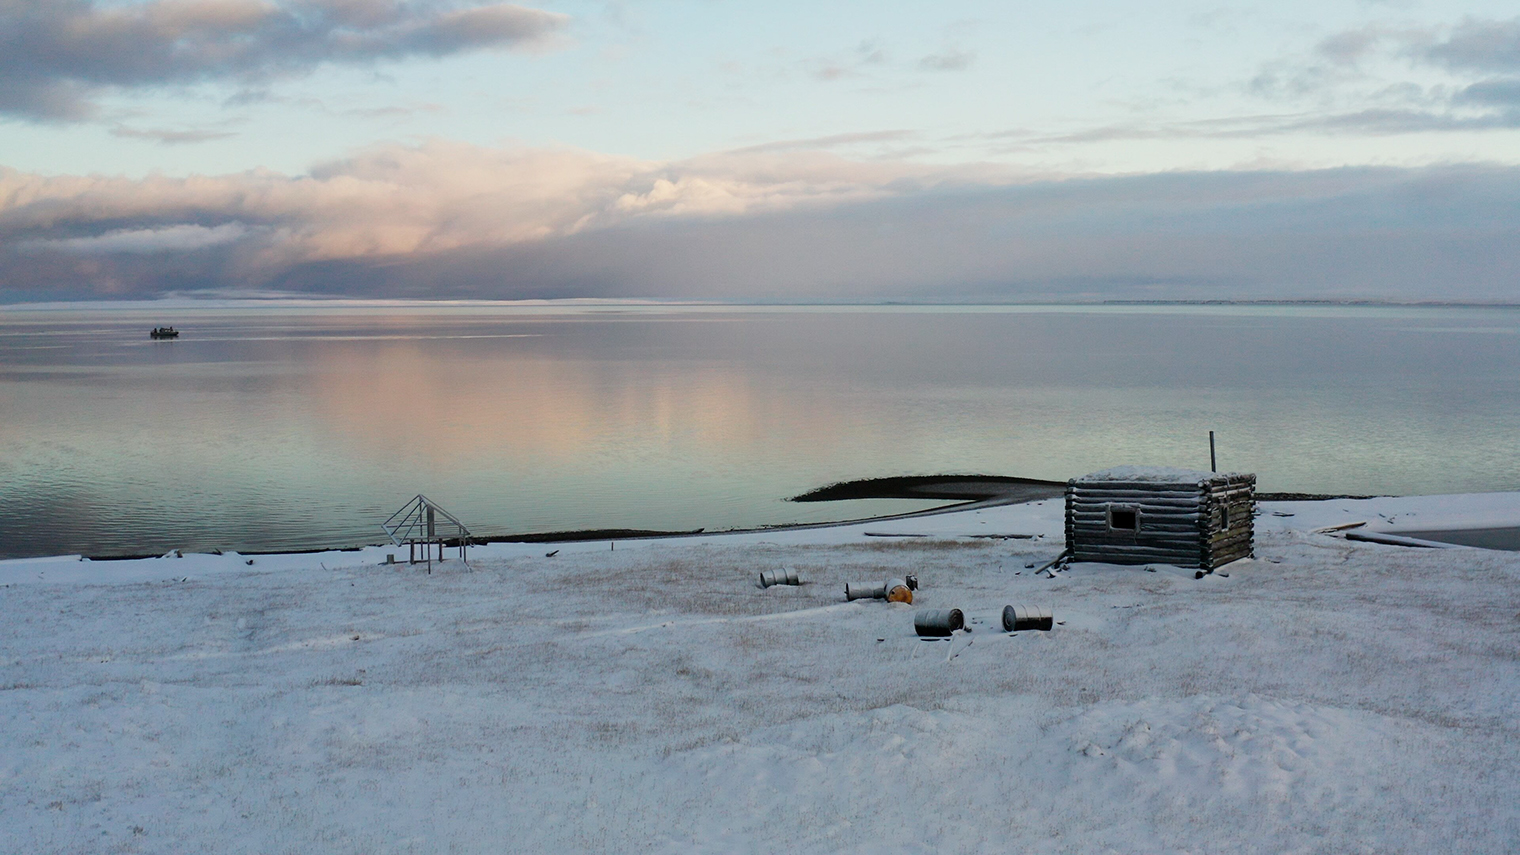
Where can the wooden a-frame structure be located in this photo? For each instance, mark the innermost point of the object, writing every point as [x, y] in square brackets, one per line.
[422, 523]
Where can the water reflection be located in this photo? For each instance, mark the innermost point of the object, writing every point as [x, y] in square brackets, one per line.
[300, 428]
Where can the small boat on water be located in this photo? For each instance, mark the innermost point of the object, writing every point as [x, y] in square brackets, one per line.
[164, 332]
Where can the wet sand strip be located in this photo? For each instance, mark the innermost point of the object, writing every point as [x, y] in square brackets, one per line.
[955, 488]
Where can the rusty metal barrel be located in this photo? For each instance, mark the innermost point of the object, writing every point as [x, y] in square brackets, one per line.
[938, 623]
[893, 591]
[1020, 618]
[865, 590]
[784, 576]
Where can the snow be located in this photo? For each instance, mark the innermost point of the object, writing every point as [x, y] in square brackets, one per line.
[1151, 475]
[1328, 696]
[1404, 513]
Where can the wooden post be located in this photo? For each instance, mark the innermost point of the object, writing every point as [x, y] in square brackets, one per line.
[1213, 465]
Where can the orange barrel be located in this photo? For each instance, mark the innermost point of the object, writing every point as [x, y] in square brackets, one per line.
[938, 623]
[899, 593]
[1019, 618]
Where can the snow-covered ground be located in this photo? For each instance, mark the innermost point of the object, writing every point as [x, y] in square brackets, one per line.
[1329, 696]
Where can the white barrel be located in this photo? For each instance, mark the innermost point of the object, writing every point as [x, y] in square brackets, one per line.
[784, 576]
[938, 623]
[1020, 618]
[865, 590]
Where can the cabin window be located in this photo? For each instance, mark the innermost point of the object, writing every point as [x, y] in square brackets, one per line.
[1123, 519]
[1224, 517]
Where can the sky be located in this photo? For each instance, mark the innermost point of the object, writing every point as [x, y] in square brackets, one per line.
[705, 150]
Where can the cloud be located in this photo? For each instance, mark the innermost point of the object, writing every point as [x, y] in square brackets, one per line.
[57, 54]
[1372, 121]
[451, 220]
[1501, 92]
[1395, 121]
[830, 72]
[950, 60]
[1393, 234]
[394, 111]
[1476, 44]
[871, 60]
[142, 241]
[829, 142]
[1350, 46]
[164, 136]
[1480, 45]
[867, 56]
[1354, 69]
[397, 201]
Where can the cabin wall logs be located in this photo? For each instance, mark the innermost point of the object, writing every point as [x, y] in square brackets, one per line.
[1206, 524]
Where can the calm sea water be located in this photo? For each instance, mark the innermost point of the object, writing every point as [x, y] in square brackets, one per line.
[268, 427]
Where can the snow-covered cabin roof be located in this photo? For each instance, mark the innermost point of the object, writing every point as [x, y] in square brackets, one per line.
[1151, 475]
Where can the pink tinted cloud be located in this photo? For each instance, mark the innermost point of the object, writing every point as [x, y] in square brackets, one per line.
[401, 201]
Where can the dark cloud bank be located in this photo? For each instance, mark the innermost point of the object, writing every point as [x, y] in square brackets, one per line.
[1366, 234]
[55, 55]
[1449, 233]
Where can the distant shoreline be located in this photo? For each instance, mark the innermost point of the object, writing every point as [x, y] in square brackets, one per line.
[305, 301]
